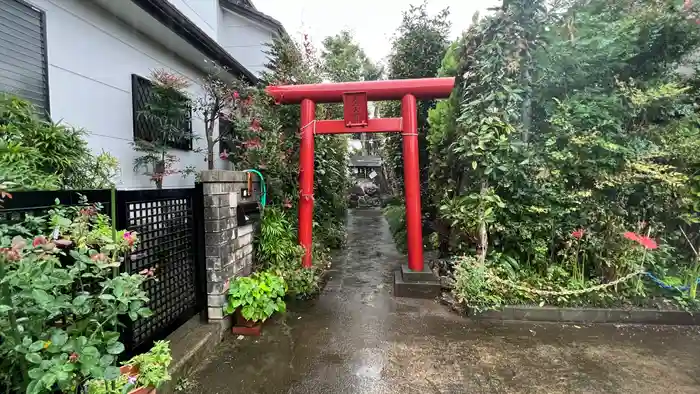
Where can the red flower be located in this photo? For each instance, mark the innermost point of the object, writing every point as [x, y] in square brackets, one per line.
[73, 357]
[40, 240]
[647, 242]
[255, 125]
[249, 101]
[643, 240]
[578, 234]
[632, 236]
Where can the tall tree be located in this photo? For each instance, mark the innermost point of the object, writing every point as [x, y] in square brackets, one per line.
[417, 52]
[344, 61]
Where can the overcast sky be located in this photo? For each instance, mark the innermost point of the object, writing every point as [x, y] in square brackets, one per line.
[373, 22]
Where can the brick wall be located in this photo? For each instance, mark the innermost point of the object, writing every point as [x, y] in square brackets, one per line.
[229, 246]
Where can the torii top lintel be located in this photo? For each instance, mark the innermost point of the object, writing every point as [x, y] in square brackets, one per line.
[394, 89]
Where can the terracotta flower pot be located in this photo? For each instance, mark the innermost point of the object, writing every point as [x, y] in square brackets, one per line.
[134, 371]
[246, 327]
[242, 321]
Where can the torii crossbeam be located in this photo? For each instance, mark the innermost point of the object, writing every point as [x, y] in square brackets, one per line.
[355, 96]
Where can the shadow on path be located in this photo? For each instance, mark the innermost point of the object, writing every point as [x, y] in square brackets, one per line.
[357, 338]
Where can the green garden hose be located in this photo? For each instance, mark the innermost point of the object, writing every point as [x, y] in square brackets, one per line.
[263, 194]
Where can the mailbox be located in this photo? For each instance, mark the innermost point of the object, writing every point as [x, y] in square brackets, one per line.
[247, 212]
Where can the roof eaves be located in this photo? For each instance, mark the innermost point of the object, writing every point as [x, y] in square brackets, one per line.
[252, 13]
[171, 17]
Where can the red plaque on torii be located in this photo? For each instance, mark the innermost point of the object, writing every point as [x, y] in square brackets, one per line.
[355, 112]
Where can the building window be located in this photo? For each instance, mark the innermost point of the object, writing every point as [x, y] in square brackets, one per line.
[23, 64]
[149, 129]
[227, 136]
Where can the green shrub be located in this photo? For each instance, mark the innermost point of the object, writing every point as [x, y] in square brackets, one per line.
[61, 303]
[148, 369]
[258, 296]
[278, 251]
[396, 217]
[36, 153]
[472, 288]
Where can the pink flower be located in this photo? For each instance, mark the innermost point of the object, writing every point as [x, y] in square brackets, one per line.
[11, 254]
[148, 272]
[287, 204]
[73, 357]
[98, 257]
[687, 4]
[578, 234]
[255, 125]
[236, 95]
[224, 155]
[40, 240]
[129, 237]
[252, 144]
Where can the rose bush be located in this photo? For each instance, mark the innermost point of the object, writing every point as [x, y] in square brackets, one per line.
[61, 299]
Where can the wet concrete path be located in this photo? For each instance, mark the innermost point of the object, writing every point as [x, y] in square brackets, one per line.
[357, 338]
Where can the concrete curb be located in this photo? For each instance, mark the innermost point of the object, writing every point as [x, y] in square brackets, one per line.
[191, 344]
[588, 315]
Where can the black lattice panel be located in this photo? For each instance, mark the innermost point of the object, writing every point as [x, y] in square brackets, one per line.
[165, 229]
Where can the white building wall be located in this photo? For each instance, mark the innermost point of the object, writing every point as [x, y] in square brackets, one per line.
[245, 40]
[91, 57]
[203, 13]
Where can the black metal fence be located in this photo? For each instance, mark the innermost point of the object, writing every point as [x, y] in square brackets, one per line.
[170, 227]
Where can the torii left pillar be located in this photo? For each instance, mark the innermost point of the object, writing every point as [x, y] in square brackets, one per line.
[414, 279]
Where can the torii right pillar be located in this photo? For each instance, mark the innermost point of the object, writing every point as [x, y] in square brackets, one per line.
[415, 279]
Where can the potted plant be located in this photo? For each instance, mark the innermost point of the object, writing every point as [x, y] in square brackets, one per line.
[253, 299]
[142, 374]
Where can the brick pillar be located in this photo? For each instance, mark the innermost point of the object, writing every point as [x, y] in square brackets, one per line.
[229, 247]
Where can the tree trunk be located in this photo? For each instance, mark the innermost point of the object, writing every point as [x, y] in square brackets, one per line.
[210, 144]
[210, 155]
[159, 171]
[526, 109]
[483, 246]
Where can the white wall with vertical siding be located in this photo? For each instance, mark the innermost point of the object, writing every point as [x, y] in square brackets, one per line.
[91, 56]
[245, 40]
[203, 13]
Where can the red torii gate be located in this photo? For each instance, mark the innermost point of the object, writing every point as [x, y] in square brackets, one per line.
[354, 96]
